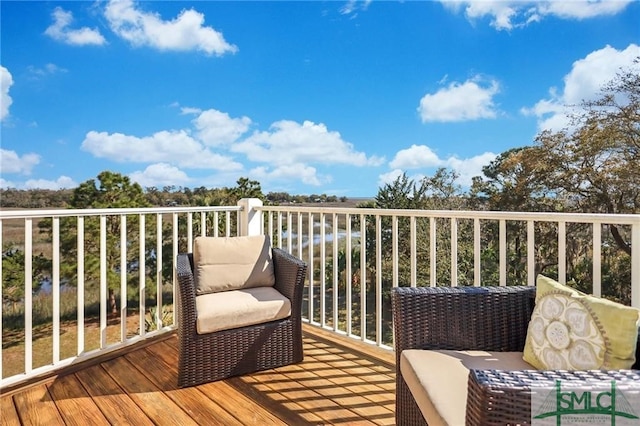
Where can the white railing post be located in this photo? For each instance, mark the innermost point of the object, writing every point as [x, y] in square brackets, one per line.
[123, 277]
[635, 265]
[28, 295]
[55, 288]
[531, 253]
[1, 304]
[250, 217]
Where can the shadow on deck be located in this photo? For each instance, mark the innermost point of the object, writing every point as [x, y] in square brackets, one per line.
[340, 381]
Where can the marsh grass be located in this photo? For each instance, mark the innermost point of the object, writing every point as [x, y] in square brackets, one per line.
[13, 327]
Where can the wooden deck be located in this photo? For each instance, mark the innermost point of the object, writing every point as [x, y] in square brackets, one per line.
[341, 381]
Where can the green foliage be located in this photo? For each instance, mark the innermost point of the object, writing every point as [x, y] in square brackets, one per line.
[112, 190]
[13, 273]
[34, 198]
[595, 163]
[437, 192]
[512, 182]
[166, 316]
[247, 188]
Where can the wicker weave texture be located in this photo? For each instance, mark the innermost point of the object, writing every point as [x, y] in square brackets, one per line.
[458, 318]
[204, 358]
[484, 318]
[504, 397]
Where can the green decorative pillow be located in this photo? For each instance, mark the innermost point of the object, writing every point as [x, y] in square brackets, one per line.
[570, 330]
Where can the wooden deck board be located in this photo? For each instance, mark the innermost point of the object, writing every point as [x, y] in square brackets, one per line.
[340, 381]
[74, 403]
[151, 399]
[110, 398]
[9, 414]
[35, 407]
[193, 401]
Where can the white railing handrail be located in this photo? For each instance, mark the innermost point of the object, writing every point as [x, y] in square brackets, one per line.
[40, 213]
[610, 219]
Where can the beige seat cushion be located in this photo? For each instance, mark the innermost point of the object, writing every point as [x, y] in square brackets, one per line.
[438, 379]
[232, 263]
[240, 308]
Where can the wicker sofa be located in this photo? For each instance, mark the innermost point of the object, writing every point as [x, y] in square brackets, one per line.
[207, 356]
[496, 385]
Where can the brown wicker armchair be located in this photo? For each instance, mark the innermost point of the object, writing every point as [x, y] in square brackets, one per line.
[213, 356]
[480, 319]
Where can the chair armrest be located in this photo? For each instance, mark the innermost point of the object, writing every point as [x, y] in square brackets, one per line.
[290, 273]
[186, 297]
[498, 397]
[461, 318]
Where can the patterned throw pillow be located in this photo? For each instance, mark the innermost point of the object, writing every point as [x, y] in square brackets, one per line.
[570, 330]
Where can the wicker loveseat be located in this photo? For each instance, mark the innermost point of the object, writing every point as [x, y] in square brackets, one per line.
[490, 325]
[214, 348]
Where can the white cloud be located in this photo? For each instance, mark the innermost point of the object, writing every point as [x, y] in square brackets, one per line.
[189, 110]
[287, 151]
[298, 172]
[502, 12]
[415, 157]
[165, 146]
[289, 142]
[63, 182]
[186, 32]
[353, 6]
[6, 184]
[160, 174]
[460, 102]
[389, 177]
[11, 162]
[467, 168]
[583, 83]
[582, 9]
[423, 157]
[48, 69]
[218, 128]
[506, 15]
[60, 30]
[6, 81]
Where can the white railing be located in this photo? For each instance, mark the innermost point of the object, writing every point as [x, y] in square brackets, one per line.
[346, 288]
[169, 230]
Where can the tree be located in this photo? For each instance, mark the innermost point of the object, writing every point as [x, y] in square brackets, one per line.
[437, 192]
[247, 188]
[13, 273]
[512, 182]
[594, 164]
[112, 190]
[590, 166]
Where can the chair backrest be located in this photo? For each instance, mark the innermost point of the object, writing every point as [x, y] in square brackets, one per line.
[232, 263]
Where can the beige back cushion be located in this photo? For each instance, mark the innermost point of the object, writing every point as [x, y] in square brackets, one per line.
[231, 263]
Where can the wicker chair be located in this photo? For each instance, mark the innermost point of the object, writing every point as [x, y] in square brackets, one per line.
[486, 319]
[213, 356]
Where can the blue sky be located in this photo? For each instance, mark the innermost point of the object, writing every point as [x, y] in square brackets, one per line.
[305, 97]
